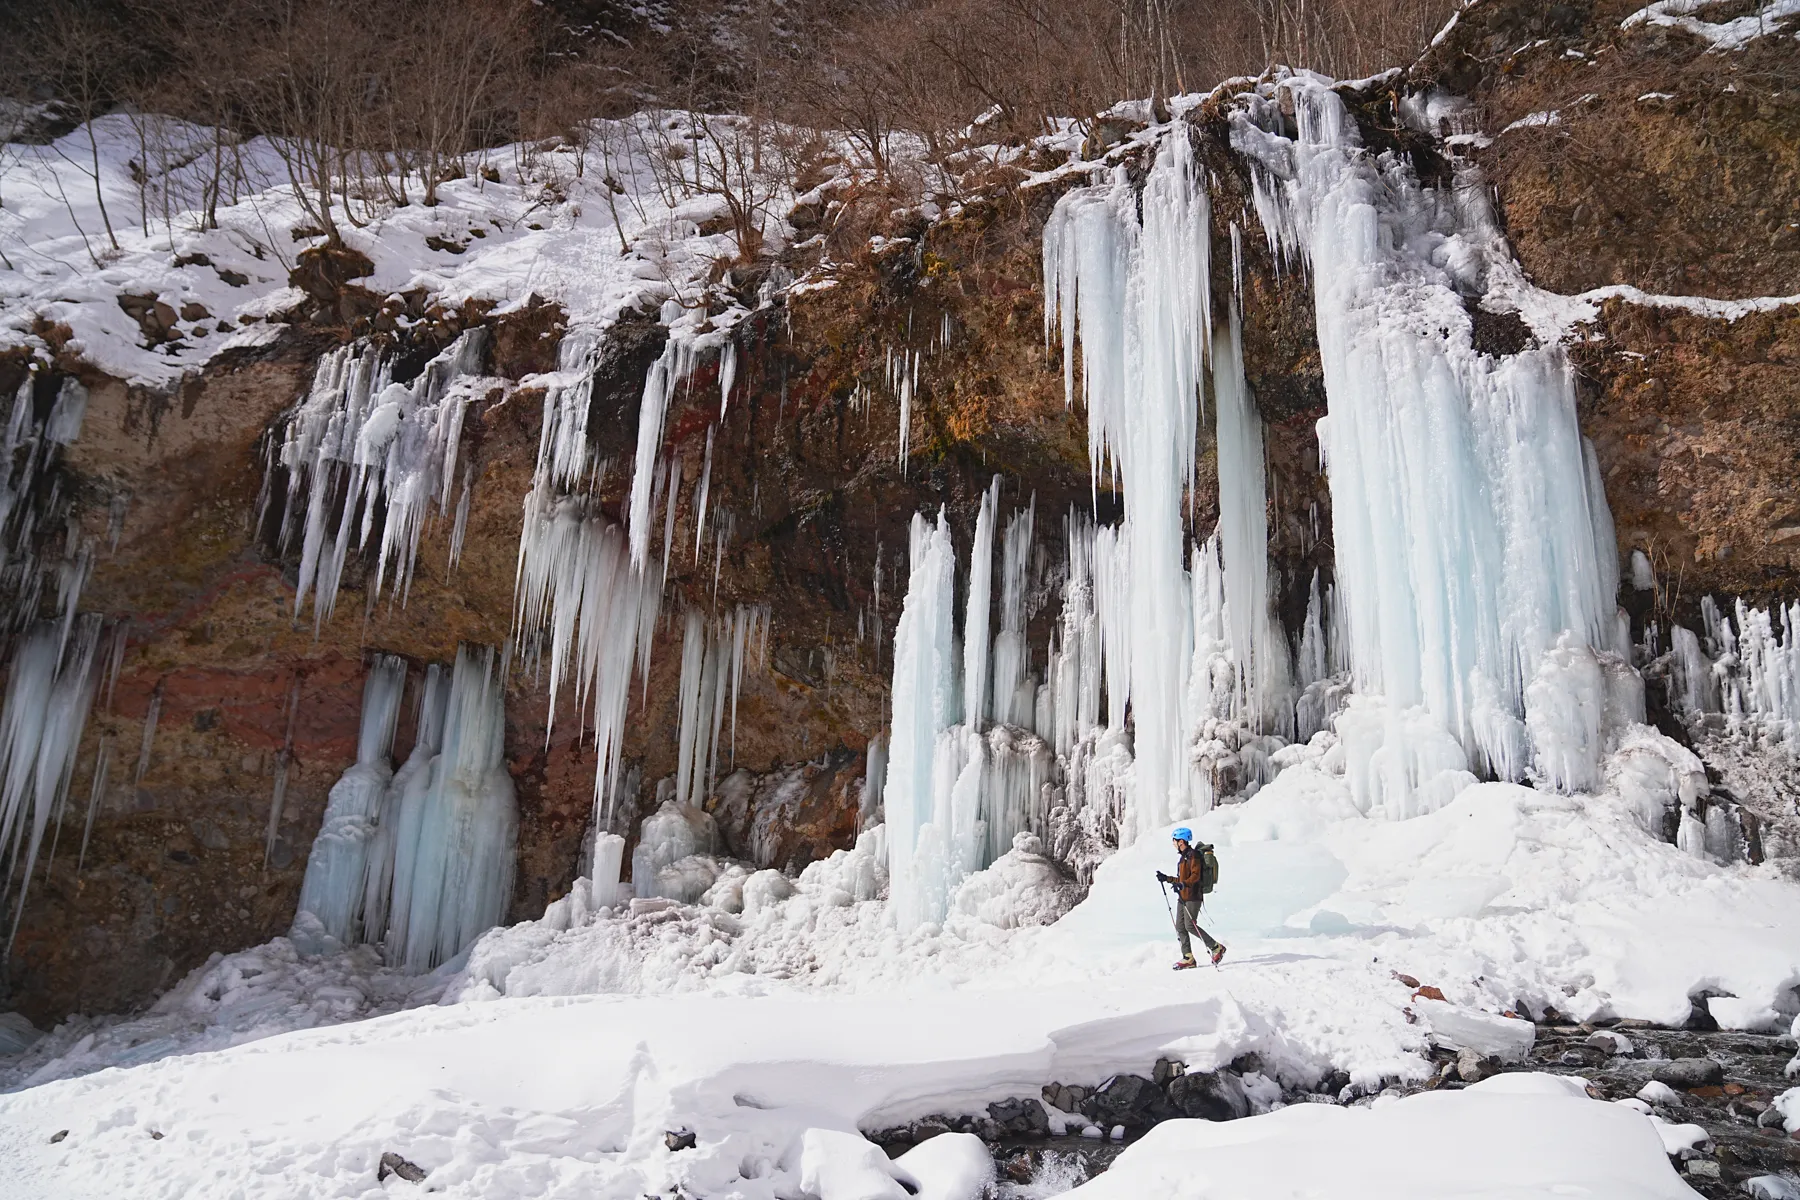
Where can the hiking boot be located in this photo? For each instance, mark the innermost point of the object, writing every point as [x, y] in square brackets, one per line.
[1186, 963]
[1217, 954]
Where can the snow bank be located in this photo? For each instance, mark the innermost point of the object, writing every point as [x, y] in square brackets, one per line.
[1482, 1141]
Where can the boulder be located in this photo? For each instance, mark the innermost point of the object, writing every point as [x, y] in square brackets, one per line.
[1128, 1100]
[1473, 1066]
[1684, 1073]
[1020, 1118]
[1610, 1043]
[393, 1164]
[1210, 1096]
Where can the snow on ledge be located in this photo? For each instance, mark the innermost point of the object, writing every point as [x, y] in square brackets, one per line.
[1727, 35]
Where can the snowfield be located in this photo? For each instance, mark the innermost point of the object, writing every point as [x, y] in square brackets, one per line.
[582, 1039]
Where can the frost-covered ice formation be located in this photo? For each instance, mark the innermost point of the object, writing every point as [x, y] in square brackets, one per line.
[588, 592]
[419, 860]
[59, 654]
[333, 890]
[1368, 846]
[1470, 527]
[360, 445]
[1473, 607]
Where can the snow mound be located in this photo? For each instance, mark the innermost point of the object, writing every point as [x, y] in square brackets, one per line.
[1483, 1141]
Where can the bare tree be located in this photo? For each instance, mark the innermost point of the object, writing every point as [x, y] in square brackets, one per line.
[81, 53]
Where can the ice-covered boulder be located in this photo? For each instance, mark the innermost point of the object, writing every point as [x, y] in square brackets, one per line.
[671, 833]
[950, 1166]
[17, 1033]
[1506, 1038]
[852, 875]
[1022, 887]
[687, 879]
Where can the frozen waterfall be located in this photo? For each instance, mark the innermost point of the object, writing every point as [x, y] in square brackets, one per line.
[419, 860]
[1137, 294]
[1470, 527]
[333, 890]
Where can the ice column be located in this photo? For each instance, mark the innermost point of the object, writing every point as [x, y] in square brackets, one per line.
[1013, 695]
[1136, 295]
[455, 842]
[924, 706]
[334, 887]
[403, 812]
[1468, 519]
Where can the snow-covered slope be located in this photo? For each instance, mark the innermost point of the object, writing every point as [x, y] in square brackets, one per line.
[527, 222]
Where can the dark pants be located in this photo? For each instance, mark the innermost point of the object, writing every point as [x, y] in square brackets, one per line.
[1187, 918]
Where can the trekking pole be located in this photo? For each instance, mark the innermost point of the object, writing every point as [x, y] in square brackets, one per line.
[1167, 903]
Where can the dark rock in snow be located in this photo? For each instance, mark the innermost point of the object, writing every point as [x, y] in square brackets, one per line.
[1020, 1118]
[1689, 1073]
[1473, 1067]
[1583, 1056]
[1211, 1096]
[928, 1128]
[679, 1139]
[1128, 1100]
[393, 1164]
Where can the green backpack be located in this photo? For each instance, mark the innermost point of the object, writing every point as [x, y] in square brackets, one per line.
[1209, 869]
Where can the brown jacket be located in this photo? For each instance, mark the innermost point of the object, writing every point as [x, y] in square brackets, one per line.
[1187, 874]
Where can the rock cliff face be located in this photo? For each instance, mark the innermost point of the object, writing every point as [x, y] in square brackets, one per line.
[1671, 168]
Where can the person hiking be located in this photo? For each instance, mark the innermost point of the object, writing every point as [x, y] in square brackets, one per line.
[1195, 873]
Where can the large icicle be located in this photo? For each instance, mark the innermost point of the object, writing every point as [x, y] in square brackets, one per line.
[48, 697]
[665, 375]
[1135, 293]
[713, 656]
[975, 613]
[577, 586]
[1257, 646]
[1469, 523]
[333, 890]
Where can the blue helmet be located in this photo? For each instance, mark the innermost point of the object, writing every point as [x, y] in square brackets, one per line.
[1183, 834]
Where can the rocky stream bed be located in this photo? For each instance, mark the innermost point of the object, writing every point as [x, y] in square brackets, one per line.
[1724, 1082]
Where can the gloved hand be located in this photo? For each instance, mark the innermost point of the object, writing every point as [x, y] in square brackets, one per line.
[1161, 878]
